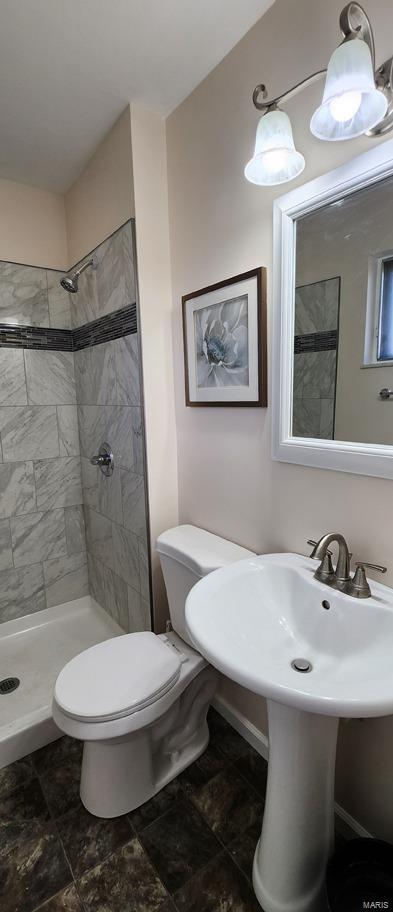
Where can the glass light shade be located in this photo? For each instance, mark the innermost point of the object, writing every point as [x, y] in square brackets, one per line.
[275, 158]
[351, 103]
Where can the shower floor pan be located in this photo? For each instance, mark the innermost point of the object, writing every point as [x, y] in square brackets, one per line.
[34, 650]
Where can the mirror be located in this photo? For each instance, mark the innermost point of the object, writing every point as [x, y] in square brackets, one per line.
[332, 388]
[343, 327]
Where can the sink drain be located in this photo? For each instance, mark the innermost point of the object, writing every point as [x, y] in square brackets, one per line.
[7, 685]
[302, 665]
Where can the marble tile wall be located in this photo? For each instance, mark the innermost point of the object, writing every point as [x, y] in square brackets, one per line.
[115, 509]
[111, 285]
[65, 529]
[43, 559]
[30, 296]
[314, 373]
[108, 393]
[314, 385]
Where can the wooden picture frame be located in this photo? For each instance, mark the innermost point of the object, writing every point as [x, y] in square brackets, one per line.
[225, 344]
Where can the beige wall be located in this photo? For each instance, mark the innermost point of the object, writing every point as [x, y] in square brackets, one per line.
[220, 226]
[155, 307]
[41, 228]
[32, 226]
[102, 198]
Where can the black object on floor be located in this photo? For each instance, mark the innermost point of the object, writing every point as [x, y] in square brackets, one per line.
[360, 876]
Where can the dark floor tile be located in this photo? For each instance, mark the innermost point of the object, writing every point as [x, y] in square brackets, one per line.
[242, 849]
[32, 872]
[157, 806]
[125, 882]
[59, 768]
[57, 752]
[343, 832]
[87, 840]
[23, 815]
[66, 901]
[220, 887]
[339, 840]
[254, 768]
[179, 843]
[228, 804]
[14, 775]
[207, 766]
[224, 737]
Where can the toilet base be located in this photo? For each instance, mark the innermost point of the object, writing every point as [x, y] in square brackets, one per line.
[120, 774]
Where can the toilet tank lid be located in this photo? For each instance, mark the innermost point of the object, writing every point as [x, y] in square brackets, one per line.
[199, 550]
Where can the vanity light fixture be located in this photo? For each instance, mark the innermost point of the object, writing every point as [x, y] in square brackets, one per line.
[275, 158]
[357, 99]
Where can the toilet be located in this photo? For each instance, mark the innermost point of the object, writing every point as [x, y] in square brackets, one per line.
[139, 702]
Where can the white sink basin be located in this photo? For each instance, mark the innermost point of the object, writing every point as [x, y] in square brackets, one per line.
[253, 618]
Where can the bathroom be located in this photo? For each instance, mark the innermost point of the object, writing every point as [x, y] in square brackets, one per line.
[122, 170]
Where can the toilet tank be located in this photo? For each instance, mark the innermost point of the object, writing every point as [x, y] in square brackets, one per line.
[188, 553]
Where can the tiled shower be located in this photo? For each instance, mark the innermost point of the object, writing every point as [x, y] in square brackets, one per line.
[70, 380]
[317, 307]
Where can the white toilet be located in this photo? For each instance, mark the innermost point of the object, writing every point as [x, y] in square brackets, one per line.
[139, 701]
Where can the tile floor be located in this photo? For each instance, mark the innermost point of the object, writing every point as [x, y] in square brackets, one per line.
[189, 849]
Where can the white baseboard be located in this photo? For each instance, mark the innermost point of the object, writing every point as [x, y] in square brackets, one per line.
[350, 823]
[260, 743]
[246, 729]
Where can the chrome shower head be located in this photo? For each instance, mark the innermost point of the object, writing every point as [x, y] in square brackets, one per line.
[70, 282]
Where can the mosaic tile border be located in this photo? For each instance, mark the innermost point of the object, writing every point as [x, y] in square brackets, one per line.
[42, 338]
[112, 326]
[119, 323]
[316, 342]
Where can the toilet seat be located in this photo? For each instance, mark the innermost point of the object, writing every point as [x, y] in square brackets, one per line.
[117, 678]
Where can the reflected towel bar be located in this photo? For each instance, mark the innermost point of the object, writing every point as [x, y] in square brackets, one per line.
[385, 393]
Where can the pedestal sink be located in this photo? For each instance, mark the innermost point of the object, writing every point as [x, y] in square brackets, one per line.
[315, 654]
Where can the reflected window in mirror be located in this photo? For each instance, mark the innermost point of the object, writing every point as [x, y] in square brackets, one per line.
[378, 347]
[385, 334]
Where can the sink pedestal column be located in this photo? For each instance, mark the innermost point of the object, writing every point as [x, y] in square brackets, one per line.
[298, 825]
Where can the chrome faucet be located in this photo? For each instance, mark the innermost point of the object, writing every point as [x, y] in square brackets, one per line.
[340, 578]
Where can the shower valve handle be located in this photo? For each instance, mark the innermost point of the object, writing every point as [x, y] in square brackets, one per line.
[101, 460]
[104, 460]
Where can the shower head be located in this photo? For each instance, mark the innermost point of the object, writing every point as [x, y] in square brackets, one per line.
[70, 282]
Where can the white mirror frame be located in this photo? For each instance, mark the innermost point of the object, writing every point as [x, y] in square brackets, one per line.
[360, 458]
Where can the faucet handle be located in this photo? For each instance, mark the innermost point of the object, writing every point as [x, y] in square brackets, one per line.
[359, 586]
[313, 544]
[377, 567]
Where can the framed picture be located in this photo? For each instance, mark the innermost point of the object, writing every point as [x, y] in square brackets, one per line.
[225, 349]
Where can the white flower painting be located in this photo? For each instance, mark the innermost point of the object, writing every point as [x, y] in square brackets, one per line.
[221, 343]
[224, 329]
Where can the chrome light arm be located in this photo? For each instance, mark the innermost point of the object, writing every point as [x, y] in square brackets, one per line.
[354, 23]
[285, 96]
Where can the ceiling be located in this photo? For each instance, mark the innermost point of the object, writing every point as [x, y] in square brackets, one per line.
[68, 68]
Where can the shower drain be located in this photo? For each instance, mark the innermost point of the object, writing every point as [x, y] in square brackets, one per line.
[7, 685]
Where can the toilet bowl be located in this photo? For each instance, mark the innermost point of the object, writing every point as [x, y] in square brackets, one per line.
[139, 701]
